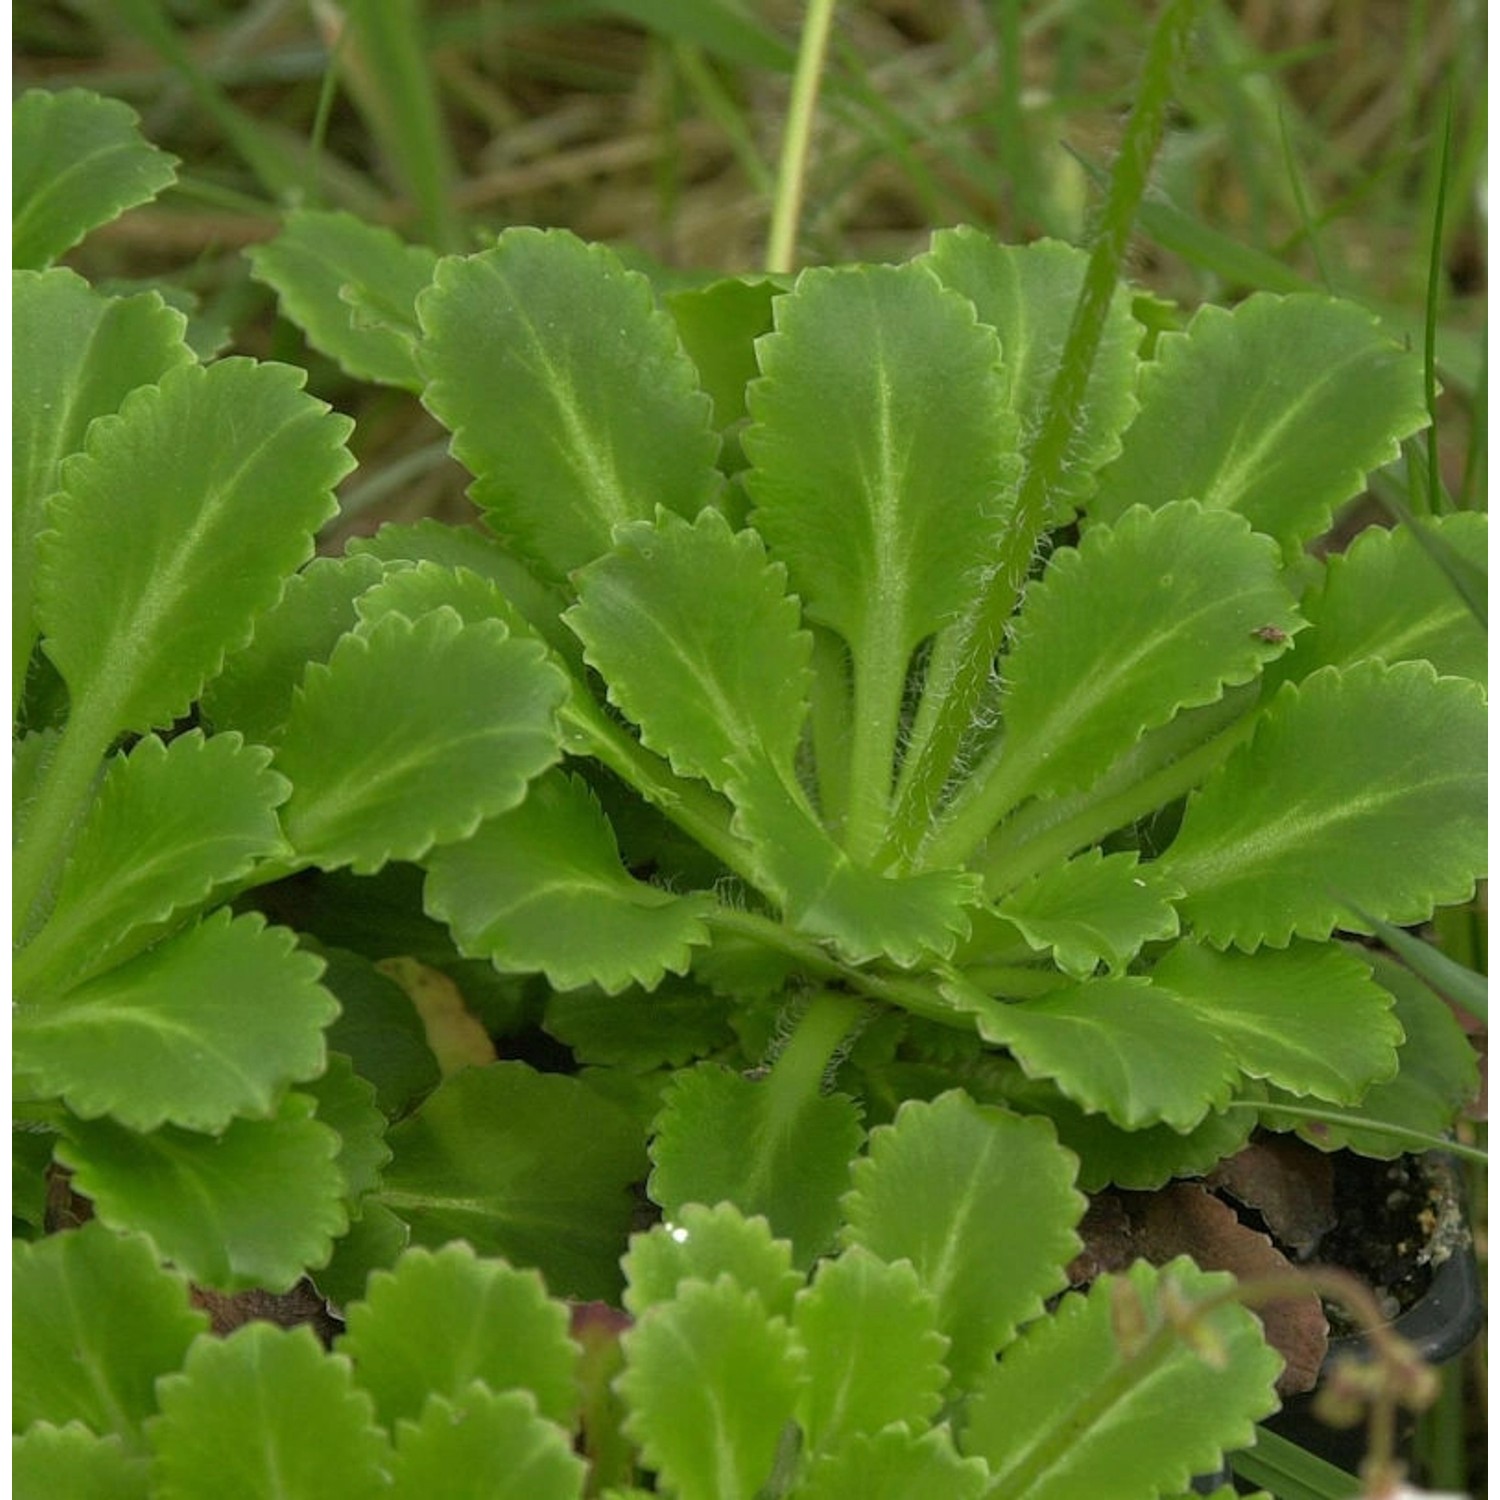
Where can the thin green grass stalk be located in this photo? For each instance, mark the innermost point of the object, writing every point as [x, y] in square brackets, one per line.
[1018, 197]
[1414, 1140]
[1309, 228]
[1440, 1433]
[715, 102]
[960, 686]
[791, 182]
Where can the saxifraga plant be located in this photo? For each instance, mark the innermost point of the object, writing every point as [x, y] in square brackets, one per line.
[825, 726]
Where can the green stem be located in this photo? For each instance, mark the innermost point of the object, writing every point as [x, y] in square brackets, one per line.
[1421, 1140]
[792, 174]
[984, 627]
[878, 686]
[830, 727]
[797, 1073]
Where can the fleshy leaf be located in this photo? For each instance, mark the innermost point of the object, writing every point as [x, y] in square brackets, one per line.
[1157, 613]
[710, 1379]
[79, 160]
[168, 824]
[895, 1465]
[1027, 294]
[1121, 1046]
[1074, 1409]
[352, 288]
[981, 1201]
[541, 888]
[490, 1443]
[874, 1355]
[533, 1166]
[176, 527]
[96, 1320]
[783, 1153]
[268, 1407]
[413, 734]
[1361, 788]
[347, 1103]
[1094, 909]
[639, 1030]
[1277, 409]
[251, 1207]
[1307, 1018]
[706, 1243]
[254, 692]
[438, 1321]
[212, 1023]
[72, 1463]
[1385, 597]
[567, 392]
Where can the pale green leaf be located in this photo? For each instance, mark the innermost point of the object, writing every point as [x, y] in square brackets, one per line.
[72, 1463]
[212, 1023]
[169, 823]
[488, 1444]
[637, 1029]
[1385, 597]
[425, 586]
[1307, 1018]
[352, 288]
[251, 1207]
[77, 160]
[1361, 788]
[347, 1103]
[541, 889]
[718, 325]
[536, 1167]
[1277, 409]
[30, 756]
[1123, 1047]
[710, 1380]
[255, 690]
[1027, 294]
[266, 1412]
[874, 1354]
[412, 735]
[706, 1243]
[567, 392]
[438, 1320]
[981, 1201]
[1094, 909]
[768, 1150]
[1160, 612]
[176, 527]
[895, 1465]
[95, 1321]
[1076, 1409]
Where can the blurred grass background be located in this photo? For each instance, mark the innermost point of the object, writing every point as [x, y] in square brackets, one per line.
[1334, 144]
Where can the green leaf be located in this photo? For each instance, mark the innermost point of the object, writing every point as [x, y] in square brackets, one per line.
[981, 1201]
[169, 824]
[210, 1024]
[83, 354]
[896, 1465]
[1307, 1018]
[1077, 1408]
[1027, 294]
[255, 690]
[670, 1026]
[1094, 909]
[72, 1463]
[175, 528]
[251, 1207]
[352, 288]
[412, 735]
[1157, 613]
[536, 1167]
[718, 325]
[541, 888]
[1466, 988]
[1277, 409]
[30, 1163]
[1361, 788]
[267, 1412]
[490, 1444]
[347, 1103]
[777, 1152]
[1124, 1047]
[710, 1379]
[374, 1242]
[1385, 597]
[79, 161]
[567, 392]
[703, 1244]
[96, 1320]
[874, 1354]
[438, 1321]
